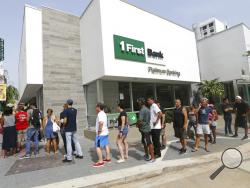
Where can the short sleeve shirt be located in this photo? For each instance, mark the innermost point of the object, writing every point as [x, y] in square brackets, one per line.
[203, 115]
[70, 114]
[154, 110]
[144, 117]
[123, 113]
[102, 117]
[242, 108]
[21, 120]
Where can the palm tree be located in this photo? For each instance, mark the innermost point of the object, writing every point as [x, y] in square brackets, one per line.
[211, 88]
[12, 94]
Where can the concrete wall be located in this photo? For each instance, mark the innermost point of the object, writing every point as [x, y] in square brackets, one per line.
[221, 55]
[91, 43]
[62, 63]
[31, 52]
[91, 96]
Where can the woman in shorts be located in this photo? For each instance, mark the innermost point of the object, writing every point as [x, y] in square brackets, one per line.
[122, 134]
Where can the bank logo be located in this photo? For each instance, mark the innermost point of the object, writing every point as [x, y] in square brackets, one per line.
[129, 49]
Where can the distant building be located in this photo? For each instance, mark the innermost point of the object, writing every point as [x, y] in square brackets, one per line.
[221, 55]
[208, 28]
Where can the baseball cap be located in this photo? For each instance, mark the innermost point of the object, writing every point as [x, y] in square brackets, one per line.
[238, 97]
[70, 102]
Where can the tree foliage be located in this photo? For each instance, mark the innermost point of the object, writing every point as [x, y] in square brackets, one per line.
[12, 94]
[211, 88]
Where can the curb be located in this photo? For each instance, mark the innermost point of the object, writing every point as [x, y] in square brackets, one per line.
[141, 172]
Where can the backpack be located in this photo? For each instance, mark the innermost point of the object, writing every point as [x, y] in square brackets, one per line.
[35, 118]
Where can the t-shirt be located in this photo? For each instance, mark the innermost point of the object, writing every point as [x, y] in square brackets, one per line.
[123, 113]
[154, 110]
[21, 120]
[102, 117]
[9, 121]
[70, 114]
[144, 117]
[203, 115]
[242, 108]
[224, 107]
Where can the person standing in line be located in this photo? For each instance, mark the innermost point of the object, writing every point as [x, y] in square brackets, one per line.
[155, 123]
[1, 132]
[144, 127]
[62, 131]
[49, 134]
[163, 127]
[102, 133]
[21, 126]
[203, 124]
[9, 133]
[242, 110]
[180, 124]
[227, 114]
[123, 132]
[35, 122]
[192, 121]
[213, 124]
[70, 132]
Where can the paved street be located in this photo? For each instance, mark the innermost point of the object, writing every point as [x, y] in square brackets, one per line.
[49, 169]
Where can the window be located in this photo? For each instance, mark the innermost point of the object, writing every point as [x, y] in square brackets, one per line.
[204, 27]
[182, 92]
[124, 95]
[211, 24]
[205, 33]
[211, 30]
[165, 94]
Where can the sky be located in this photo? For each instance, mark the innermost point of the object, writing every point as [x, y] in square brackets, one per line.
[182, 12]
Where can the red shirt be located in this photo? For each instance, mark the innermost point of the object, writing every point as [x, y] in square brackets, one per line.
[21, 120]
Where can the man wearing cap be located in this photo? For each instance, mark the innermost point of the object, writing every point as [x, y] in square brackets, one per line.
[70, 131]
[241, 109]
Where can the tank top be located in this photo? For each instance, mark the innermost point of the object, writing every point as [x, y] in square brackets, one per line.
[191, 116]
[178, 117]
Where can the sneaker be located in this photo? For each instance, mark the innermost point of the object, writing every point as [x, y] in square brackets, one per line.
[79, 157]
[151, 161]
[214, 142]
[98, 164]
[163, 147]
[235, 135]
[146, 158]
[245, 137]
[26, 156]
[107, 160]
[226, 135]
[157, 156]
[180, 150]
[66, 161]
[184, 151]
[194, 150]
[120, 161]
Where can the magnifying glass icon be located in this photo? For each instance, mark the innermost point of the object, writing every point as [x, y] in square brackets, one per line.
[231, 158]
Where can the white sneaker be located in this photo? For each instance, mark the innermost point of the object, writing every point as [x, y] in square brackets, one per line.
[121, 161]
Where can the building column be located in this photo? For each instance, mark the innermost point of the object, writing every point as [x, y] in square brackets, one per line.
[155, 92]
[236, 91]
[131, 96]
[99, 86]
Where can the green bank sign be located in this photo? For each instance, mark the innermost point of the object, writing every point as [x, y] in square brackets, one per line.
[129, 49]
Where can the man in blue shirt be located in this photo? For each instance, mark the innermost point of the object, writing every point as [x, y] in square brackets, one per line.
[70, 131]
[203, 124]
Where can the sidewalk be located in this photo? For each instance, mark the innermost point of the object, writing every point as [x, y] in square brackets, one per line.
[52, 172]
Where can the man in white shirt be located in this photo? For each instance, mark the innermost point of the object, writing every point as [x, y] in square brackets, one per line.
[102, 132]
[155, 124]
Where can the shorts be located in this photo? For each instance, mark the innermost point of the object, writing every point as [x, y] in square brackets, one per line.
[163, 131]
[203, 129]
[214, 124]
[101, 141]
[180, 133]
[241, 121]
[146, 138]
[125, 131]
[21, 135]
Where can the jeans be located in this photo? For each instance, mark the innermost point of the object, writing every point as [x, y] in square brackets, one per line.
[156, 133]
[69, 137]
[32, 134]
[228, 123]
[65, 142]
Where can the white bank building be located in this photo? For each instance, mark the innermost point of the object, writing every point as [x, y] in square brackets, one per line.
[114, 52]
